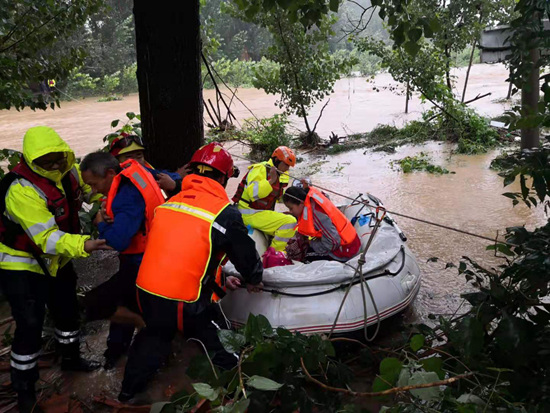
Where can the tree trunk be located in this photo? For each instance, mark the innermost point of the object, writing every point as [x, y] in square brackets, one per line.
[407, 94]
[530, 137]
[509, 95]
[168, 49]
[448, 68]
[468, 71]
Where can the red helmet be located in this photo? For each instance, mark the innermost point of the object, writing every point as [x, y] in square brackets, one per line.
[215, 156]
[285, 154]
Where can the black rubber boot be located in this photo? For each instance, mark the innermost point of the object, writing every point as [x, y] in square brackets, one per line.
[79, 364]
[71, 360]
[26, 402]
[111, 359]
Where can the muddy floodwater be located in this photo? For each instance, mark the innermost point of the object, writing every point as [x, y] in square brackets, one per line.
[469, 199]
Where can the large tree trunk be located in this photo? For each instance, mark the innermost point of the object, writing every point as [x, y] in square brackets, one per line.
[169, 78]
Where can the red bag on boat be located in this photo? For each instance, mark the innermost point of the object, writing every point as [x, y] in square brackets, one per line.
[272, 258]
[297, 247]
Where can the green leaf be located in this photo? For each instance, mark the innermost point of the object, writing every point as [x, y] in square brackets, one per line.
[114, 123]
[414, 35]
[231, 340]
[240, 407]
[206, 391]
[412, 48]
[263, 383]
[333, 5]
[404, 377]
[130, 115]
[468, 398]
[157, 407]
[417, 341]
[434, 364]
[422, 377]
[391, 366]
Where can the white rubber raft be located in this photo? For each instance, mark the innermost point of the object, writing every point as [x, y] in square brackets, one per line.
[306, 297]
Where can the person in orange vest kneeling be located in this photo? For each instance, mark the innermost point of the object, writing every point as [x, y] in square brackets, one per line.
[124, 222]
[180, 278]
[331, 235]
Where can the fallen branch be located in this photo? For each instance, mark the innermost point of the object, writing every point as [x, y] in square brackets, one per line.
[121, 407]
[478, 97]
[6, 321]
[385, 392]
[349, 340]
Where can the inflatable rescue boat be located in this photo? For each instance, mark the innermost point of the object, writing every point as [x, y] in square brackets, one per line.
[307, 297]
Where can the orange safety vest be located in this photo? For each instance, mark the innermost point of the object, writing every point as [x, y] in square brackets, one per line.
[343, 225]
[149, 190]
[179, 248]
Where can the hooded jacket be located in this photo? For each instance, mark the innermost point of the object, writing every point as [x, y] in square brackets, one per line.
[26, 205]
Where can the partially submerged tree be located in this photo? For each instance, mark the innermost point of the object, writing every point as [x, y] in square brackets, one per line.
[29, 30]
[305, 72]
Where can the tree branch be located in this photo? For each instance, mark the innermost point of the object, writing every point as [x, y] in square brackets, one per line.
[385, 392]
[14, 28]
[33, 31]
[319, 118]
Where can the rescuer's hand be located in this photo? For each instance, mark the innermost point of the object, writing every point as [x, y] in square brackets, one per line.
[96, 245]
[273, 176]
[165, 182]
[184, 170]
[254, 288]
[233, 283]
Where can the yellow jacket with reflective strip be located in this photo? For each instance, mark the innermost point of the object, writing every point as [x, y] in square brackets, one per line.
[257, 183]
[26, 205]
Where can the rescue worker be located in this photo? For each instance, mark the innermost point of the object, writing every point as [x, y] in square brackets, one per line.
[191, 234]
[331, 235]
[259, 191]
[132, 196]
[39, 234]
[128, 146]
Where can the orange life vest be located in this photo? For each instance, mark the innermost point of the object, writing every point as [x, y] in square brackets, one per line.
[149, 190]
[343, 225]
[179, 248]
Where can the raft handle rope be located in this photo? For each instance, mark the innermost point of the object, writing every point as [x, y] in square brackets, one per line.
[341, 286]
[380, 214]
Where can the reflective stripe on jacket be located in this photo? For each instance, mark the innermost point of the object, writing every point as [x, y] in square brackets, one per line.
[28, 205]
[179, 247]
[149, 190]
[306, 225]
[255, 191]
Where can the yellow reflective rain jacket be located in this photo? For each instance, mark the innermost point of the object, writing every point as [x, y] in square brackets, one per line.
[26, 205]
[255, 190]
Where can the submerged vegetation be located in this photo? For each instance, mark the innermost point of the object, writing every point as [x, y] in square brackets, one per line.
[420, 162]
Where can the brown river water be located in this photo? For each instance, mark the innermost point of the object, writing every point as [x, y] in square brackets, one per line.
[469, 199]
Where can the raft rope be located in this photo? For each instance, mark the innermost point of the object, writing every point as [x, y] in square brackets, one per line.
[367, 203]
[361, 261]
[380, 213]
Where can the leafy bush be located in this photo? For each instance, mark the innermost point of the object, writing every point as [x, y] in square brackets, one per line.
[12, 158]
[110, 83]
[236, 73]
[420, 162]
[131, 126]
[266, 134]
[128, 80]
[81, 85]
